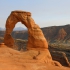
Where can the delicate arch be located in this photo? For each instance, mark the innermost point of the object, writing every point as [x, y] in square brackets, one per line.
[36, 38]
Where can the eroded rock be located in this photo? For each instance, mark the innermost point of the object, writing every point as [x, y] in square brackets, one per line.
[36, 38]
[37, 45]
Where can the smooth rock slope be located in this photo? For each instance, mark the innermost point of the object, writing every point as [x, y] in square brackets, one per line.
[14, 60]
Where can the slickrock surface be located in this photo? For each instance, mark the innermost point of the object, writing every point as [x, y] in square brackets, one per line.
[29, 60]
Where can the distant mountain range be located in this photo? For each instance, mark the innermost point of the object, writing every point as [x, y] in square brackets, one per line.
[2, 29]
[19, 29]
[52, 34]
[15, 29]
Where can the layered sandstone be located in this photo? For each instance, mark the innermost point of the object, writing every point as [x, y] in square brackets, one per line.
[36, 41]
[36, 38]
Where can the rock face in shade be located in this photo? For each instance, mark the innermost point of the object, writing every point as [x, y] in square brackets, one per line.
[36, 38]
[61, 34]
[61, 57]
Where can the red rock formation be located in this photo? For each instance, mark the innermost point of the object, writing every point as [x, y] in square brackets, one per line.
[61, 34]
[38, 47]
[36, 38]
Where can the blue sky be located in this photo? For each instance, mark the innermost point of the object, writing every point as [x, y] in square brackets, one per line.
[44, 12]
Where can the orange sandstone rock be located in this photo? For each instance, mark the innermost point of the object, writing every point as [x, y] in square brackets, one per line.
[36, 38]
[2, 45]
[38, 47]
[11, 59]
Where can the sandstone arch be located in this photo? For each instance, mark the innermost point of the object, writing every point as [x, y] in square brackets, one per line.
[36, 38]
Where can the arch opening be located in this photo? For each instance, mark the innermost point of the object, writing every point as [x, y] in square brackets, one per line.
[19, 27]
[20, 31]
[20, 35]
